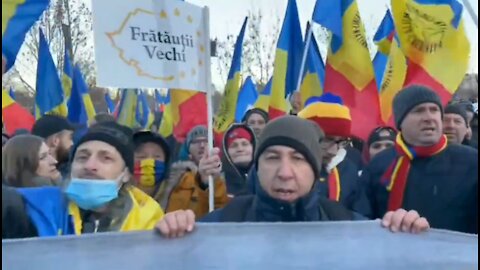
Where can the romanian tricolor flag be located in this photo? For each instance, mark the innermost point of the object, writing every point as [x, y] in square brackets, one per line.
[383, 39]
[80, 106]
[314, 77]
[67, 77]
[18, 16]
[395, 70]
[349, 70]
[189, 109]
[110, 103]
[287, 63]
[125, 112]
[79, 82]
[386, 32]
[12, 93]
[15, 116]
[49, 97]
[143, 114]
[226, 113]
[166, 126]
[246, 99]
[432, 37]
[160, 101]
[263, 100]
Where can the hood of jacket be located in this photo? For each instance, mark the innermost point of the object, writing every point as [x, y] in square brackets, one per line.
[235, 176]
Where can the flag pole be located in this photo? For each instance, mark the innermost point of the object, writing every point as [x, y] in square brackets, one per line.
[470, 10]
[304, 57]
[211, 191]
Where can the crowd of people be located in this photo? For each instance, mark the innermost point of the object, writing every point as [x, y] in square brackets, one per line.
[422, 173]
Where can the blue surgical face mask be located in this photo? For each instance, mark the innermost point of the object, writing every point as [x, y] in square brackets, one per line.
[91, 194]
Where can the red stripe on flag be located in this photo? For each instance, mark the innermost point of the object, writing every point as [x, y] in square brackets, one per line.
[275, 113]
[193, 112]
[364, 105]
[417, 75]
[16, 117]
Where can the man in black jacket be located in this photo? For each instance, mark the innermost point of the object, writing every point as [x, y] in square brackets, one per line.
[455, 124]
[422, 172]
[287, 167]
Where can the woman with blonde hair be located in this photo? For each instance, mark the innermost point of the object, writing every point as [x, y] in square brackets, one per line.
[27, 162]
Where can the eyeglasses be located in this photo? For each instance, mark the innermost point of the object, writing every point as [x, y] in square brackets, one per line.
[327, 143]
[196, 142]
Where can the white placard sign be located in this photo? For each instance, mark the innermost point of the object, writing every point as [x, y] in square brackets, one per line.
[151, 44]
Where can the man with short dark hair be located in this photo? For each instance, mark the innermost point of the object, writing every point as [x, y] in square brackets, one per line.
[423, 172]
[58, 134]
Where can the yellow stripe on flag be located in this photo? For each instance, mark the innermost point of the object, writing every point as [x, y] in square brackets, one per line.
[393, 80]
[226, 112]
[277, 98]
[428, 38]
[352, 60]
[89, 108]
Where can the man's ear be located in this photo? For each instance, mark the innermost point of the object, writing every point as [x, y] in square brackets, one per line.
[469, 133]
[56, 140]
[53, 141]
[127, 176]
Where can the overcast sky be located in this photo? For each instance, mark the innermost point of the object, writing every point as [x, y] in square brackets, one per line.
[226, 17]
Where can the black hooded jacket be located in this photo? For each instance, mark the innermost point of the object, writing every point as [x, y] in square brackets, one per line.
[236, 176]
[263, 208]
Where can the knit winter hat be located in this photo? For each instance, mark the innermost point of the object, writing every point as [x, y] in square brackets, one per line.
[457, 109]
[329, 113]
[239, 132]
[48, 125]
[381, 134]
[409, 97]
[258, 111]
[196, 132]
[146, 136]
[113, 134]
[302, 135]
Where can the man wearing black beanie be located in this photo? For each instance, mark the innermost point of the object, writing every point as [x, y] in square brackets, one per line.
[456, 125]
[423, 172]
[99, 195]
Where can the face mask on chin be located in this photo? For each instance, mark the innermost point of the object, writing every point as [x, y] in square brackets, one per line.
[90, 194]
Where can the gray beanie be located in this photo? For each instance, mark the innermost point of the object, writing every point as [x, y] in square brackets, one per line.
[458, 109]
[411, 96]
[300, 134]
[196, 132]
